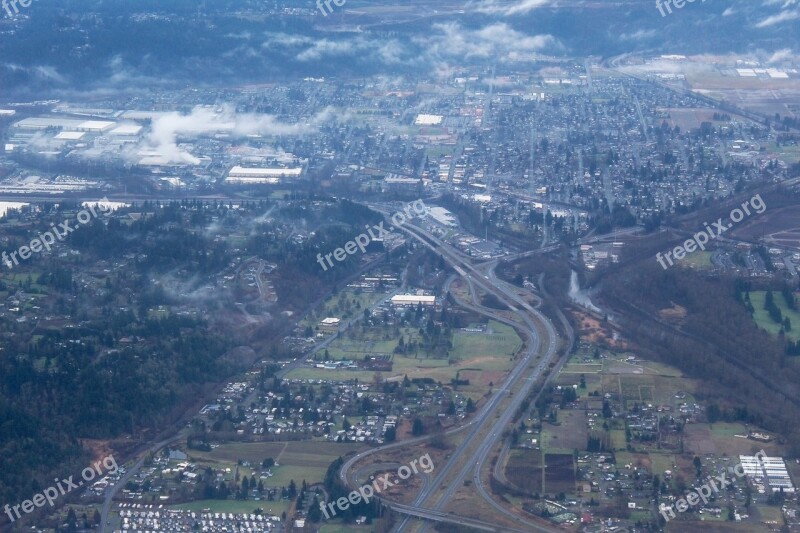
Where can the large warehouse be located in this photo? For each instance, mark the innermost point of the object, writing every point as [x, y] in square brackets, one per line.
[402, 300]
[243, 175]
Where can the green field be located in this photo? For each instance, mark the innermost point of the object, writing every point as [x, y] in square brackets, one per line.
[763, 319]
[618, 439]
[579, 368]
[335, 375]
[234, 451]
[502, 341]
[344, 305]
[345, 528]
[699, 260]
[662, 462]
[305, 460]
[790, 154]
[439, 151]
[233, 506]
[727, 430]
[480, 357]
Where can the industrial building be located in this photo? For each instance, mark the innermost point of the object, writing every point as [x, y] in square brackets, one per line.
[405, 300]
[247, 176]
[770, 469]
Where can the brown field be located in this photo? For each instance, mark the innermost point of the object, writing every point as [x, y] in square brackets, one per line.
[689, 119]
[482, 378]
[592, 331]
[570, 434]
[781, 226]
[768, 96]
[644, 386]
[698, 439]
[674, 314]
[524, 470]
[559, 474]
[685, 526]
[719, 439]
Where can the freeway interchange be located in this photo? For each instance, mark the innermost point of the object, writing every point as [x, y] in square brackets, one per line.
[486, 428]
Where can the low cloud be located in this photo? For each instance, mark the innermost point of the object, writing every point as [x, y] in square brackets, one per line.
[499, 41]
[166, 129]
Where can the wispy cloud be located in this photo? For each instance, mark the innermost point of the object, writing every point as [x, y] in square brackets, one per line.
[499, 41]
[519, 7]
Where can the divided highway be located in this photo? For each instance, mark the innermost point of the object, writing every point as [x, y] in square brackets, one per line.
[541, 337]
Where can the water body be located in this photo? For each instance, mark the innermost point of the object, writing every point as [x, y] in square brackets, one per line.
[580, 296]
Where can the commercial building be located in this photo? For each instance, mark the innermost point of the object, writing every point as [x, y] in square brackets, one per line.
[404, 300]
[770, 469]
[243, 175]
[428, 120]
[329, 324]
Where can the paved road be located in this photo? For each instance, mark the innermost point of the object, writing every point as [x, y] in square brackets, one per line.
[104, 525]
[475, 426]
[516, 381]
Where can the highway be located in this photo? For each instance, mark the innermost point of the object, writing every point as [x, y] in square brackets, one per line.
[519, 382]
[483, 453]
[514, 381]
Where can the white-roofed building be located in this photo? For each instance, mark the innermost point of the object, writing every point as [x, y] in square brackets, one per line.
[772, 468]
[95, 126]
[404, 300]
[70, 135]
[428, 120]
[126, 130]
[245, 175]
[442, 216]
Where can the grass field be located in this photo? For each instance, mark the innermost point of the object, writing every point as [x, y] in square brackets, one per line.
[716, 526]
[344, 305]
[698, 260]
[439, 151]
[233, 506]
[345, 528]
[305, 460]
[234, 451]
[618, 439]
[790, 154]
[482, 358]
[763, 319]
[722, 430]
[570, 434]
[499, 340]
[662, 462]
[358, 342]
[582, 369]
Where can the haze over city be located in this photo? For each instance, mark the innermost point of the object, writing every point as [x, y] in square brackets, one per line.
[369, 266]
